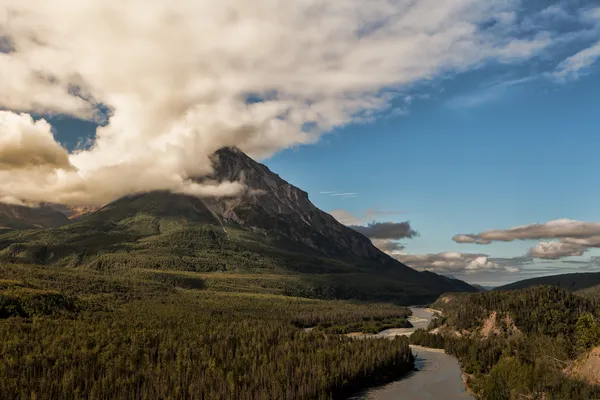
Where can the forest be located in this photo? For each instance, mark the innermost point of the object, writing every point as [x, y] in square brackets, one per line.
[527, 352]
[78, 333]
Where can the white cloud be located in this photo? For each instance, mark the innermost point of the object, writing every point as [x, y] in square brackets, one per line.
[176, 76]
[575, 65]
[488, 94]
[390, 247]
[454, 262]
[556, 250]
[579, 63]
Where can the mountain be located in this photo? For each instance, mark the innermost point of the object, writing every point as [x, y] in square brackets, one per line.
[22, 217]
[571, 282]
[272, 230]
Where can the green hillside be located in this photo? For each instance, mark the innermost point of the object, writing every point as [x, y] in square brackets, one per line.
[519, 343]
[146, 245]
[72, 333]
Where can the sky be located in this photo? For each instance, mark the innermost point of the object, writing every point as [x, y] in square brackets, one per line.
[460, 136]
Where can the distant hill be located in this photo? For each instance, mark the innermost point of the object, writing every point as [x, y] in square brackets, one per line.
[21, 217]
[271, 230]
[482, 288]
[570, 282]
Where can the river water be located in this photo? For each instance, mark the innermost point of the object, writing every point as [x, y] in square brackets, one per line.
[438, 376]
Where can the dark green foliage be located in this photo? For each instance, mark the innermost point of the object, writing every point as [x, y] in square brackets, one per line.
[149, 240]
[544, 310]
[423, 338]
[587, 332]
[31, 303]
[75, 333]
[554, 327]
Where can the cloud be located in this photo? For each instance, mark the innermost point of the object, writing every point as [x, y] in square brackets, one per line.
[556, 250]
[345, 217]
[574, 237]
[579, 63]
[25, 143]
[591, 241]
[345, 195]
[181, 80]
[388, 246]
[469, 239]
[488, 94]
[574, 66]
[556, 12]
[386, 230]
[453, 262]
[561, 228]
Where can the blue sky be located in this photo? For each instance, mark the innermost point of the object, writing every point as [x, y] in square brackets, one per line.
[473, 122]
[467, 158]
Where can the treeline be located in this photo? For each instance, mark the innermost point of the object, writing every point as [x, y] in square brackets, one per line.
[421, 337]
[543, 309]
[554, 328]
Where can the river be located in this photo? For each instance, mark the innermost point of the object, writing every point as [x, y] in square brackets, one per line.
[438, 375]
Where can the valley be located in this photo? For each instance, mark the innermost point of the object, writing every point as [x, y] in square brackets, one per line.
[174, 296]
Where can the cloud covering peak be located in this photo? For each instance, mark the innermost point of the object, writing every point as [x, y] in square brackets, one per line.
[182, 79]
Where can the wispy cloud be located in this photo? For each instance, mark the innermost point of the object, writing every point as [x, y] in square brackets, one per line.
[343, 194]
[340, 194]
[487, 94]
[578, 64]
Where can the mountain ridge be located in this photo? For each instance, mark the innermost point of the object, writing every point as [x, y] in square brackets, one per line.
[572, 282]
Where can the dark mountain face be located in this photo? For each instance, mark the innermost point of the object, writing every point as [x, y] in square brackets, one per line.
[21, 217]
[274, 206]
